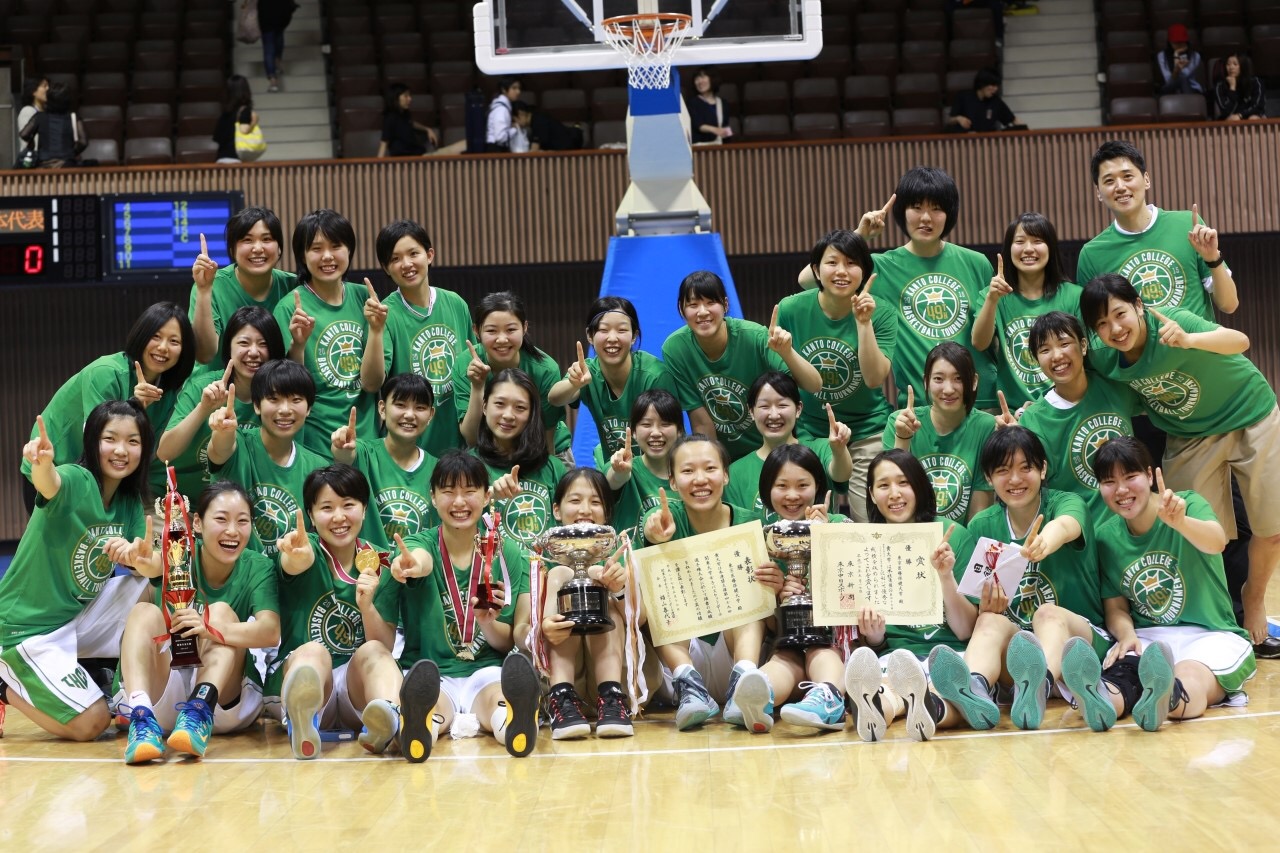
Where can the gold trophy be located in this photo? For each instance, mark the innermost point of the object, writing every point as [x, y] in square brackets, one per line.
[177, 546]
[790, 542]
[582, 601]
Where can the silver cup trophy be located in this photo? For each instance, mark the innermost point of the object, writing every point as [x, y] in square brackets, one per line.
[789, 542]
[582, 601]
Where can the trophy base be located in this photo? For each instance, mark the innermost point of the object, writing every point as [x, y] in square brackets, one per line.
[484, 597]
[796, 629]
[184, 652]
[586, 605]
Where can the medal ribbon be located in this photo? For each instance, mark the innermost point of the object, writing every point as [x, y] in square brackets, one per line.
[467, 624]
[384, 561]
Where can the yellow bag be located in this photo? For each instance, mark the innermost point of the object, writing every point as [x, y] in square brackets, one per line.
[252, 145]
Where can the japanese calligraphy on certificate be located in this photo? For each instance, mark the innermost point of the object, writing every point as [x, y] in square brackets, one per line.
[705, 583]
[884, 565]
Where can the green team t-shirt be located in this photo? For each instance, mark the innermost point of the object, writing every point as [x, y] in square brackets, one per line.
[228, 297]
[1166, 579]
[744, 478]
[333, 354]
[276, 490]
[60, 565]
[544, 372]
[110, 377]
[428, 344]
[1189, 392]
[720, 386]
[637, 496]
[937, 299]
[920, 639]
[613, 414]
[1068, 577]
[319, 606]
[425, 607]
[528, 515]
[1160, 262]
[1018, 372]
[192, 465]
[950, 460]
[1072, 433]
[684, 528]
[831, 346]
[400, 500]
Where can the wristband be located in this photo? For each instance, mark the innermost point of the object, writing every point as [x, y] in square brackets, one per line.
[1213, 265]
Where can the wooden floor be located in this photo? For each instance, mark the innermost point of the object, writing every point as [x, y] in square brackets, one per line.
[1204, 785]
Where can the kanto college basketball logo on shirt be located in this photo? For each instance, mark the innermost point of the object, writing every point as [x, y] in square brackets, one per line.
[616, 430]
[1173, 393]
[336, 624]
[526, 513]
[1155, 586]
[936, 306]
[948, 475]
[837, 363]
[1157, 276]
[1033, 590]
[338, 354]
[401, 511]
[1086, 440]
[433, 354]
[1019, 355]
[274, 510]
[725, 399]
[90, 565]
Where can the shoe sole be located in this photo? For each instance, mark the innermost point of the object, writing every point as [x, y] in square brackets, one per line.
[611, 730]
[148, 753]
[1082, 673]
[577, 730]
[862, 679]
[379, 720]
[418, 696]
[686, 720]
[950, 676]
[907, 679]
[521, 690]
[1155, 672]
[1027, 667]
[752, 699]
[303, 696]
[181, 741]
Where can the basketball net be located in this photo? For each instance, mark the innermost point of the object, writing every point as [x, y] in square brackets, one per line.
[648, 42]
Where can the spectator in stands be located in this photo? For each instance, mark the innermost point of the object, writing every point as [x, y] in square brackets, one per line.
[501, 126]
[1179, 63]
[35, 92]
[1239, 95]
[236, 110]
[706, 111]
[273, 18]
[523, 121]
[401, 135]
[57, 133]
[981, 110]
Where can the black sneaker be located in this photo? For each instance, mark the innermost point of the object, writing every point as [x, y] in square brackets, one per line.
[612, 717]
[418, 696]
[521, 691]
[567, 720]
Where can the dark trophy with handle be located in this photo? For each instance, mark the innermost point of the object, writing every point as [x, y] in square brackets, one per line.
[790, 543]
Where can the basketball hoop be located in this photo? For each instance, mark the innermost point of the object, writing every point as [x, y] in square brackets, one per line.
[649, 43]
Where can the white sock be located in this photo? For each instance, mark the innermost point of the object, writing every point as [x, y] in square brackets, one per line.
[139, 700]
[682, 670]
[437, 720]
[498, 722]
[744, 666]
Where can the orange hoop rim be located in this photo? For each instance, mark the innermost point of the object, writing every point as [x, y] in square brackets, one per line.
[626, 26]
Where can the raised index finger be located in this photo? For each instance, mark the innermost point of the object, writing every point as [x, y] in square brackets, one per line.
[946, 534]
[1035, 527]
[137, 369]
[1158, 315]
[373, 294]
[582, 360]
[1160, 480]
[831, 416]
[301, 523]
[204, 245]
[888, 205]
[515, 475]
[351, 421]
[226, 374]
[1195, 215]
[626, 443]
[404, 549]
[231, 399]
[475, 356]
[662, 499]
[1004, 404]
[911, 398]
[40, 426]
[773, 321]
[297, 301]
[1000, 265]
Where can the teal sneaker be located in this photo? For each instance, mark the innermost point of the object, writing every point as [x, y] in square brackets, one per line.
[1082, 673]
[381, 722]
[1155, 672]
[194, 728]
[145, 735]
[821, 708]
[694, 705]
[968, 691]
[1026, 665]
[303, 697]
[754, 696]
[732, 713]
[862, 678]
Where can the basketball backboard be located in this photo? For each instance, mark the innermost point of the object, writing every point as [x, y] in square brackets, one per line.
[531, 36]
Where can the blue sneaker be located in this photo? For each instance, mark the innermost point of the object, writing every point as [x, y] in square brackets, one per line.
[145, 735]
[968, 691]
[1026, 665]
[732, 713]
[303, 697]
[381, 722]
[194, 728]
[754, 698]
[1082, 673]
[694, 703]
[821, 708]
[1155, 672]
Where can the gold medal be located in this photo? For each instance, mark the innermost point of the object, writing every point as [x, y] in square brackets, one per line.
[366, 561]
[465, 654]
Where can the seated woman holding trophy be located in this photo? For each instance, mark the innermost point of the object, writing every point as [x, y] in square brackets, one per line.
[699, 474]
[793, 485]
